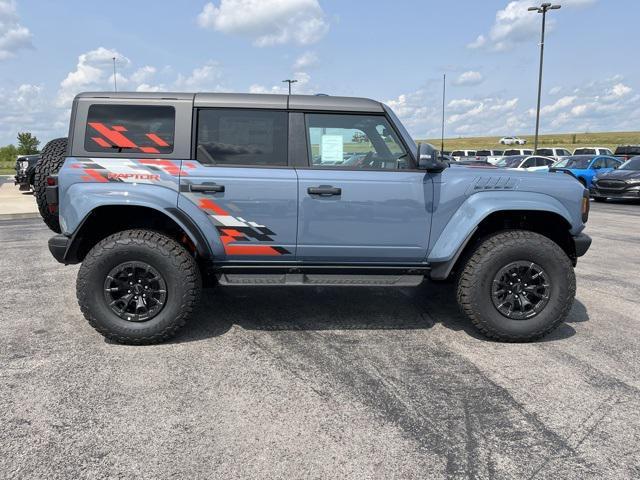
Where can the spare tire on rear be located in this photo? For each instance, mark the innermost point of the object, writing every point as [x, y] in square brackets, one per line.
[53, 155]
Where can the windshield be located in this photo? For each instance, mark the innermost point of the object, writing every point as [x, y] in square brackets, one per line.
[578, 162]
[510, 162]
[561, 163]
[631, 164]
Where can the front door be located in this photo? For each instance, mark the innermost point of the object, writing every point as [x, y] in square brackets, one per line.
[359, 199]
[240, 187]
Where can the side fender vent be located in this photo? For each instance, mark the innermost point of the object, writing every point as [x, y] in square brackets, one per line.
[494, 183]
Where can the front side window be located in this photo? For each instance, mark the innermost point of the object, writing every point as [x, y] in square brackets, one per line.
[354, 141]
[611, 163]
[599, 163]
[130, 128]
[241, 137]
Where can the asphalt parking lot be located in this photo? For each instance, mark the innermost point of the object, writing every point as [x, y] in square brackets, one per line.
[321, 383]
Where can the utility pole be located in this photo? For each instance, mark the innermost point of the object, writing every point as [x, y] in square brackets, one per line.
[543, 10]
[444, 91]
[289, 81]
[115, 84]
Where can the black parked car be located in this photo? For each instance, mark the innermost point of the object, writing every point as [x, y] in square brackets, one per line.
[621, 183]
[627, 151]
[26, 170]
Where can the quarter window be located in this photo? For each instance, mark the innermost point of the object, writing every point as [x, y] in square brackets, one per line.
[130, 128]
[242, 137]
[354, 141]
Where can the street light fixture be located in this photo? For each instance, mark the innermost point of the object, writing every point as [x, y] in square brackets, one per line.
[543, 10]
[289, 81]
[115, 84]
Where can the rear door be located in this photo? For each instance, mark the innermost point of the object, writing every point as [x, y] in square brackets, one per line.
[240, 187]
[360, 200]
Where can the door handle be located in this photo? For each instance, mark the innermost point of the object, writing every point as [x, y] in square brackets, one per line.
[324, 190]
[206, 188]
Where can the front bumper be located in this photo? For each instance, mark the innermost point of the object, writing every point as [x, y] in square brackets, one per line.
[582, 243]
[22, 179]
[631, 193]
[58, 246]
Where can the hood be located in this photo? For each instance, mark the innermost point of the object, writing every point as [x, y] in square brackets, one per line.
[620, 175]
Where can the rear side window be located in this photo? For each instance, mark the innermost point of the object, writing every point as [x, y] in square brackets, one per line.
[241, 137]
[130, 128]
[545, 151]
[585, 151]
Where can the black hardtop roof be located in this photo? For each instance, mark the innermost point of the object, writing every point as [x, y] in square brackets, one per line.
[250, 100]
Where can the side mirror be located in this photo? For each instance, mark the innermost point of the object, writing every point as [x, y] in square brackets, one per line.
[430, 159]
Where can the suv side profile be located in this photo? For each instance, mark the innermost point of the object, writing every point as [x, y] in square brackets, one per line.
[152, 192]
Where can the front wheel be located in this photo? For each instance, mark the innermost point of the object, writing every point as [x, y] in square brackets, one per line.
[138, 287]
[517, 286]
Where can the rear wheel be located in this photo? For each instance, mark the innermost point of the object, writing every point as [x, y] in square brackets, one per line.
[517, 286]
[53, 155]
[138, 287]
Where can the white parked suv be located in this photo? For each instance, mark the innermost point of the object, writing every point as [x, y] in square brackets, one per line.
[592, 151]
[557, 153]
[492, 156]
[518, 151]
[512, 141]
[458, 154]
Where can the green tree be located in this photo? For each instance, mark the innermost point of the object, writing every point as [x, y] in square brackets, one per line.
[8, 153]
[27, 143]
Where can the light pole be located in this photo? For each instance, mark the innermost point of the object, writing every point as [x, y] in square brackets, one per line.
[115, 84]
[444, 90]
[289, 81]
[543, 10]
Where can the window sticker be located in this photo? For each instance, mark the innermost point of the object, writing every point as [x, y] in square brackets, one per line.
[332, 149]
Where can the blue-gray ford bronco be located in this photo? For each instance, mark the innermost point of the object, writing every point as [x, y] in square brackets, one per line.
[156, 193]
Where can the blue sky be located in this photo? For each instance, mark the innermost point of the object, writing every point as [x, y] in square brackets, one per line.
[391, 51]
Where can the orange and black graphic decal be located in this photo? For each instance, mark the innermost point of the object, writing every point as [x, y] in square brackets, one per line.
[115, 137]
[236, 233]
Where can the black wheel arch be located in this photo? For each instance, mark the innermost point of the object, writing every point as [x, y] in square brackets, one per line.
[109, 219]
[550, 224]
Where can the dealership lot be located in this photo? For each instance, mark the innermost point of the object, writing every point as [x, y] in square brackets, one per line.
[321, 383]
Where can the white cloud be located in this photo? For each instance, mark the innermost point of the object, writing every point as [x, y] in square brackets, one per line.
[13, 36]
[469, 78]
[267, 22]
[515, 24]
[143, 74]
[94, 71]
[205, 78]
[306, 60]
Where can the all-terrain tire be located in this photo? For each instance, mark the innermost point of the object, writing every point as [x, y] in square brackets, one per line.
[489, 257]
[170, 259]
[53, 155]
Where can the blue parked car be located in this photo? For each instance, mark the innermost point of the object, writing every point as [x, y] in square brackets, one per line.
[586, 167]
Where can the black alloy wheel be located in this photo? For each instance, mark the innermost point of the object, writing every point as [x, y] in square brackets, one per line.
[520, 290]
[135, 291]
